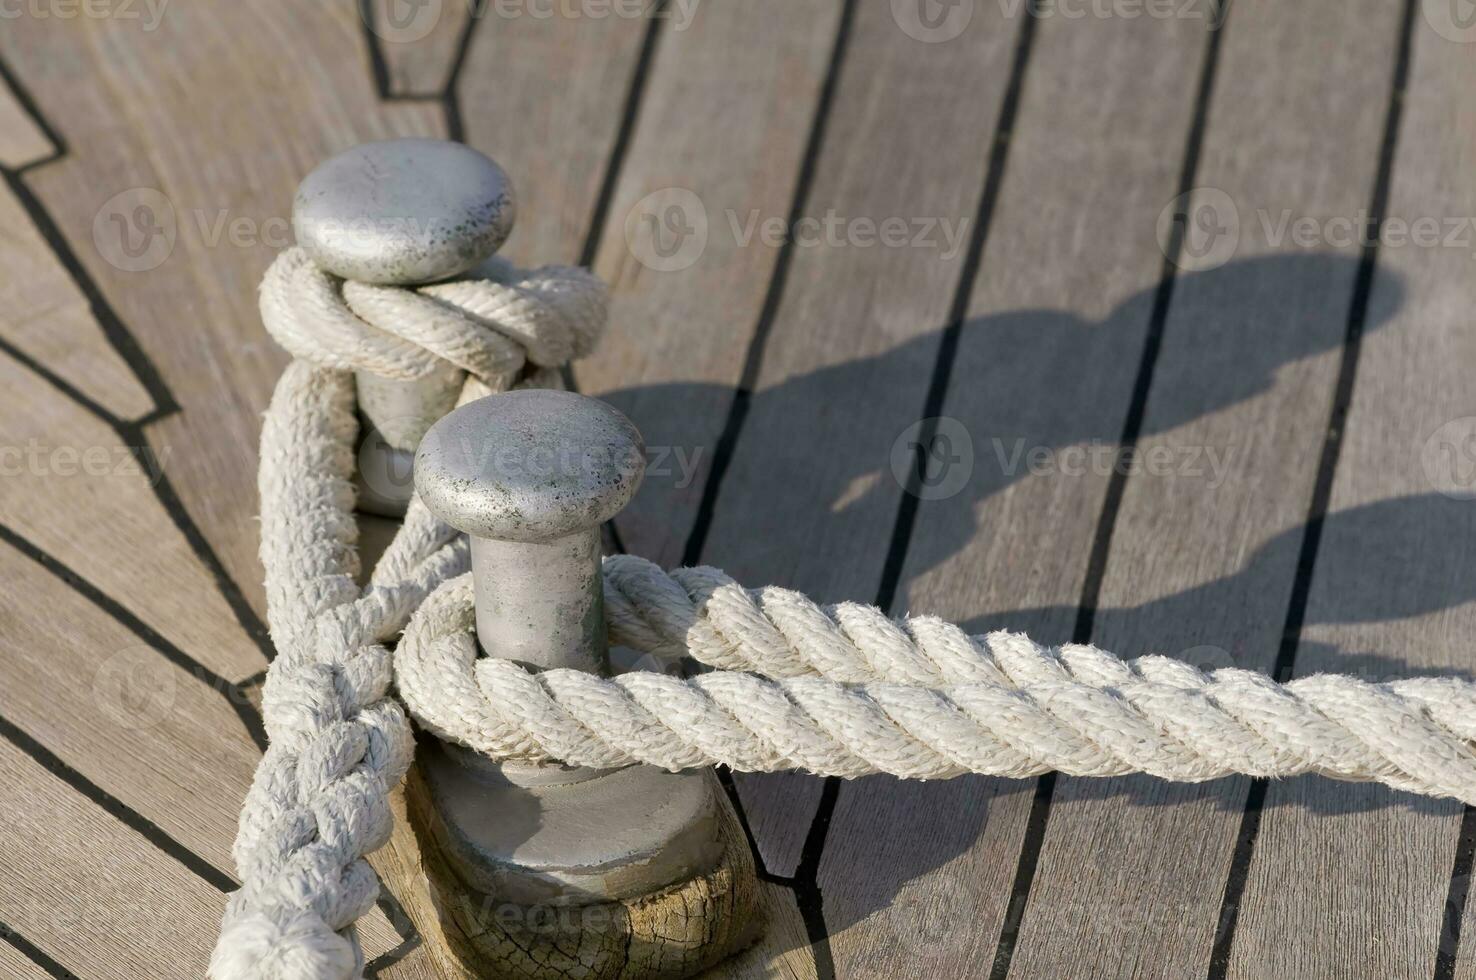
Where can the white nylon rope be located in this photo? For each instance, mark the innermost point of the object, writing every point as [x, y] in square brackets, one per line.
[846, 691]
[339, 741]
[840, 690]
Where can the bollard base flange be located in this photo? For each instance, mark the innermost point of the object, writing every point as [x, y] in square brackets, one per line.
[678, 931]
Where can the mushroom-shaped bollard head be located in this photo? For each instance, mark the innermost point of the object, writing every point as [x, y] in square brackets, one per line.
[533, 465]
[402, 212]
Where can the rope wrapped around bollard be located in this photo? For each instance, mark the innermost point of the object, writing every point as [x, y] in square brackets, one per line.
[785, 683]
[340, 742]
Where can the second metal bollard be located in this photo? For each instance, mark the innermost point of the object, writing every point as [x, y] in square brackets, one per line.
[551, 870]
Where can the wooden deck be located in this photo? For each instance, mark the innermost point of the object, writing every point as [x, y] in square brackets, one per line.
[1226, 426]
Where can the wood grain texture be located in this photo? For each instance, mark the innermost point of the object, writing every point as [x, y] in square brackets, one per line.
[419, 42]
[1045, 361]
[47, 319]
[544, 97]
[77, 491]
[16, 966]
[1350, 879]
[145, 730]
[1132, 871]
[675, 931]
[90, 893]
[808, 501]
[730, 102]
[242, 101]
[22, 140]
[781, 953]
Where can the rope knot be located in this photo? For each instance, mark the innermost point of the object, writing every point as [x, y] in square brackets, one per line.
[496, 324]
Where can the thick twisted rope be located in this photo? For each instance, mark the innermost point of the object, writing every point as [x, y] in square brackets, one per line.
[839, 690]
[339, 741]
[493, 327]
[846, 691]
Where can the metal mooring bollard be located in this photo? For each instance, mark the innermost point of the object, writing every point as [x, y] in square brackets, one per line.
[549, 870]
[401, 213]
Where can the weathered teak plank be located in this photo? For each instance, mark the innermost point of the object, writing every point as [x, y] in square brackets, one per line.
[45, 318]
[782, 953]
[729, 106]
[75, 490]
[1352, 880]
[22, 140]
[43, 315]
[241, 100]
[17, 966]
[95, 896]
[1045, 361]
[807, 499]
[545, 98]
[1131, 871]
[113, 707]
[418, 43]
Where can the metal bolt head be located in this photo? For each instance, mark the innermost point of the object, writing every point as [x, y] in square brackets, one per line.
[402, 212]
[533, 465]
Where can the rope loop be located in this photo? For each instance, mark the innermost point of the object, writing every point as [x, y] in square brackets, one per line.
[846, 691]
[490, 325]
[782, 682]
[340, 740]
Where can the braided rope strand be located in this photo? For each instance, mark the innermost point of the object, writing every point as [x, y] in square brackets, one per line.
[339, 740]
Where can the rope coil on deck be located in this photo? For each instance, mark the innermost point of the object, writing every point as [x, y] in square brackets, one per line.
[841, 690]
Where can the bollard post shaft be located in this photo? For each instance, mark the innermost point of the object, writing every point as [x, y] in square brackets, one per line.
[542, 603]
[530, 476]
